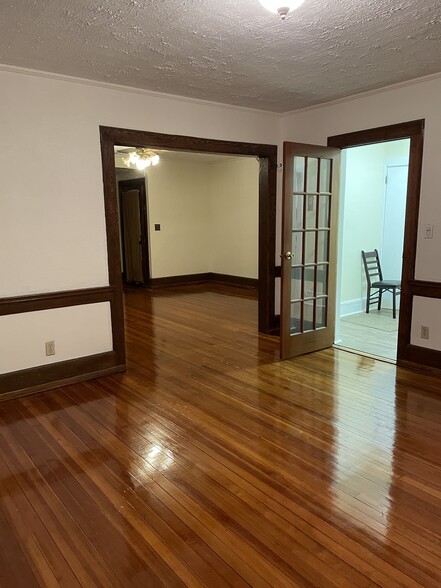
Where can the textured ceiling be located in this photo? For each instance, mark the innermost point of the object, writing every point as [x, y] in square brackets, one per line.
[230, 51]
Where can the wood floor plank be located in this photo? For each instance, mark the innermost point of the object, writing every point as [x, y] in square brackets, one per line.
[212, 463]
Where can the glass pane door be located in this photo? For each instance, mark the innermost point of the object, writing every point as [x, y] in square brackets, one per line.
[307, 283]
[310, 243]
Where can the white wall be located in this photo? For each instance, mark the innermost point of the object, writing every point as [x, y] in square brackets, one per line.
[408, 102]
[52, 225]
[77, 331]
[363, 215]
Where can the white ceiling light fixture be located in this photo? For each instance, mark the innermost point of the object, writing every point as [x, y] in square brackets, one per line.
[142, 158]
[281, 7]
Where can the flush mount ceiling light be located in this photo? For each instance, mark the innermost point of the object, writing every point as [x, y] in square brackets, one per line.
[142, 158]
[281, 7]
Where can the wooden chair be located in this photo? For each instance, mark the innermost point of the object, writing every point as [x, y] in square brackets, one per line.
[374, 278]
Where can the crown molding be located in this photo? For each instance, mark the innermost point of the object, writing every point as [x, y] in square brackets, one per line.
[133, 90]
[222, 105]
[382, 90]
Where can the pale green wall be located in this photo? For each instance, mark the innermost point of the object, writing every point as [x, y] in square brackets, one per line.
[363, 210]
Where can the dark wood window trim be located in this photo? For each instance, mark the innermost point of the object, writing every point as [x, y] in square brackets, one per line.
[413, 130]
[267, 155]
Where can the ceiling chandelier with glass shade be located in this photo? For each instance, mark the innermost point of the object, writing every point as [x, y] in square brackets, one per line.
[141, 158]
[281, 7]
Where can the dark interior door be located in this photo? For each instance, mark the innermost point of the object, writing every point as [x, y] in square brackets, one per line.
[134, 237]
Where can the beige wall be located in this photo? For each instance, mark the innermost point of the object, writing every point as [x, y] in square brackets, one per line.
[178, 199]
[234, 215]
[208, 212]
[52, 224]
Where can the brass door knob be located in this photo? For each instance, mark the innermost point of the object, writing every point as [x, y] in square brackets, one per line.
[287, 255]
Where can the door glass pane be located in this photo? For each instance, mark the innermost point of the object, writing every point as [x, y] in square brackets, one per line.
[324, 203]
[312, 175]
[309, 277]
[320, 318]
[325, 175]
[322, 246]
[299, 174]
[296, 248]
[322, 280]
[311, 211]
[297, 211]
[310, 246]
[296, 283]
[308, 315]
[296, 318]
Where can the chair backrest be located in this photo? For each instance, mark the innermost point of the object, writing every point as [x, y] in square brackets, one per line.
[372, 266]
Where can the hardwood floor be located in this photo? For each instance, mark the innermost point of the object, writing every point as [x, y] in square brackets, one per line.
[212, 463]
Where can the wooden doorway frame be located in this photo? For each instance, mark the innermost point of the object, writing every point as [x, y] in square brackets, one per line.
[137, 184]
[413, 130]
[267, 155]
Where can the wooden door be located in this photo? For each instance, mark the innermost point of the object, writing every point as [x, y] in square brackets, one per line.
[309, 254]
[134, 239]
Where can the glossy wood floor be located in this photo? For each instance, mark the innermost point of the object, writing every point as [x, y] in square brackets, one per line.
[211, 463]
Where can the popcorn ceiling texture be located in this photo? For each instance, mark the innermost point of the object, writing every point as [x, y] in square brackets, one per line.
[230, 51]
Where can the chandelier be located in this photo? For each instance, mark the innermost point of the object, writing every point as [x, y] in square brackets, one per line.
[281, 7]
[141, 158]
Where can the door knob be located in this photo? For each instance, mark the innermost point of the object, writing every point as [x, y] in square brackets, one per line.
[287, 255]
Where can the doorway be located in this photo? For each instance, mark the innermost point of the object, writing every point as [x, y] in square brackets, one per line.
[267, 156]
[301, 260]
[133, 231]
[371, 219]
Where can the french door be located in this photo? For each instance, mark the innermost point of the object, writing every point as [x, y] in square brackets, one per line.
[309, 248]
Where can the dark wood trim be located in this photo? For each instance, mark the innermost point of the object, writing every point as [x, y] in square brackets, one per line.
[179, 280]
[234, 280]
[53, 375]
[421, 356]
[59, 383]
[425, 289]
[188, 279]
[48, 300]
[137, 184]
[378, 135]
[414, 130]
[434, 370]
[276, 328]
[267, 155]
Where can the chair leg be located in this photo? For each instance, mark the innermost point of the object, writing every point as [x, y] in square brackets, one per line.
[394, 307]
[380, 294]
[368, 300]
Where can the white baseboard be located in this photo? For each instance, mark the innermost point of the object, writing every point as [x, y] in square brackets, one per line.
[359, 305]
[352, 306]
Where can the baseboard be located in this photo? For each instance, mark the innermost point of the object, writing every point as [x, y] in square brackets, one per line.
[234, 280]
[203, 279]
[421, 357]
[46, 377]
[354, 306]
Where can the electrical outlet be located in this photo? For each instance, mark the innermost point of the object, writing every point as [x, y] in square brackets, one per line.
[425, 332]
[50, 347]
[428, 232]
